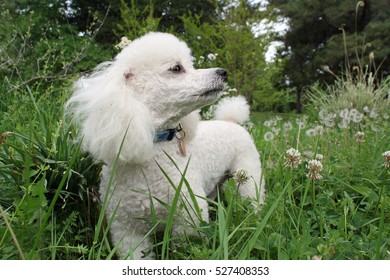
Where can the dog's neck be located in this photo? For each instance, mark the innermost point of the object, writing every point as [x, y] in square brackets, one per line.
[167, 134]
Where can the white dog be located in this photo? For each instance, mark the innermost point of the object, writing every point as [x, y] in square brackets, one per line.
[137, 113]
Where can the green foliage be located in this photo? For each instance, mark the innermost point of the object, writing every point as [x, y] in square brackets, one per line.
[42, 169]
[136, 22]
[338, 34]
[241, 53]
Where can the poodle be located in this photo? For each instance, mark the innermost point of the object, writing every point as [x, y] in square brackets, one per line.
[139, 115]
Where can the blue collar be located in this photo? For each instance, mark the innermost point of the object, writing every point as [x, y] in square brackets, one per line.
[167, 135]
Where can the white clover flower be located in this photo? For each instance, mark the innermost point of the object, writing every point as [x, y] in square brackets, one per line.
[360, 137]
[386, 156]
[268, 136]
[292, 158]
[311, 132]
[287, 126]
[386, 116]
[315, 167]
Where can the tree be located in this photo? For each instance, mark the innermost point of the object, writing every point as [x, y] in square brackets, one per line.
[339, 35]
[240, 50]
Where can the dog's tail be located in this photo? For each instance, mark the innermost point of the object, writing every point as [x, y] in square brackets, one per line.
[234, 109]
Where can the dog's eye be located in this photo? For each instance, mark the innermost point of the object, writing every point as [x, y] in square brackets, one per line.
[177, 68]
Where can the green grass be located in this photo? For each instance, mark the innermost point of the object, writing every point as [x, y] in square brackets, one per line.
[51, 210]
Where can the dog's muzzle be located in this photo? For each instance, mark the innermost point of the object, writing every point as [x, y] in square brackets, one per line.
[222, 73]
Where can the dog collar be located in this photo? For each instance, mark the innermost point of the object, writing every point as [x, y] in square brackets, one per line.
[167, 135]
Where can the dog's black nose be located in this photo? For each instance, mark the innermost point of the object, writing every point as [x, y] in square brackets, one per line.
[222, 72]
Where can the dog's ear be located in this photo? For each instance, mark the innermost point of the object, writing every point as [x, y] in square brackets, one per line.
[111, 120]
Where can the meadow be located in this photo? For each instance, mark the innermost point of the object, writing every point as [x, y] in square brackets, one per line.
[327, 175]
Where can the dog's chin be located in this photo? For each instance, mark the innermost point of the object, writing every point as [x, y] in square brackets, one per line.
[212, 94]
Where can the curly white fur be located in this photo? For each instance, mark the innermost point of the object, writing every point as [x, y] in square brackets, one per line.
[152, 86]
[234, 109]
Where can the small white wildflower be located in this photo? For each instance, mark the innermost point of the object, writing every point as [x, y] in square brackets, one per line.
[360, 137]
[366, 109]
[268, 136]
[287, 126]
[311, 132]
[386, 116]
[315, 167]
[386, 156]
[292, 158]
[212, 56]
[123, 43]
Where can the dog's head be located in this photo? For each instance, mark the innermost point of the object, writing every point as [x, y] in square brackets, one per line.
[158, 68]
[150, 86]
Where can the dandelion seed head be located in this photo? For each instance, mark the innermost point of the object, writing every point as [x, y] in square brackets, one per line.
[287, 126]
[268, 136]
[311, 132]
